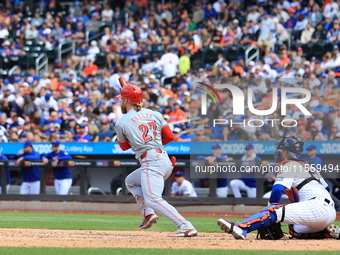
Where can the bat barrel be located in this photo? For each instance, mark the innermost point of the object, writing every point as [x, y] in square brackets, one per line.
[122, 81]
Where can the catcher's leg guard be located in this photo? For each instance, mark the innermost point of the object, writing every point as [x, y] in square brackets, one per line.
[262, 219]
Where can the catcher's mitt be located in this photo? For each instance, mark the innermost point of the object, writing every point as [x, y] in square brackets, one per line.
[272, 232]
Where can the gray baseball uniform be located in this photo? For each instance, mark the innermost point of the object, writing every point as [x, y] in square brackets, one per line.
[143, 130]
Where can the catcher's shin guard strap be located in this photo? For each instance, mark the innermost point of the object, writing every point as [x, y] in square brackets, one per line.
[283, 213]
[291, 230]
[231, 228]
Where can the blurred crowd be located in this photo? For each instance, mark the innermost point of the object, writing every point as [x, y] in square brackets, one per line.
[146, 41]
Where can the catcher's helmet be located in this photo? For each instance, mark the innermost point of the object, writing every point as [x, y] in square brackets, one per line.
[133, 93]
[290, 144]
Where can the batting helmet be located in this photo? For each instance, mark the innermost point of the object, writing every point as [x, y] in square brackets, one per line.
[290, 144]
[133, 93]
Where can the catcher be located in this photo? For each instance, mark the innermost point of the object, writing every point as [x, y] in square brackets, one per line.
[312, 211]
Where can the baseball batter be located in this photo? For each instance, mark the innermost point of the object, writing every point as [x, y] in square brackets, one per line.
[146, 132]
[312, 211]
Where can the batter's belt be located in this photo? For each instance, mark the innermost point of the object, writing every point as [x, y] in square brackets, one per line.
[146, 153]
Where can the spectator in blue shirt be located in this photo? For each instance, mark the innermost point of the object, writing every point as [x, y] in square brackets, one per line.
[210, 12]
[322, 107]
[187, 136]
[32, 78]
[311, 156]
[3, 157]
[290, 23]
[62, 175]
[83, 136]
[80, 56]
[328, 23]
[105, 135]
[30, 175]
[125, 53]
[53, 120]
[17, 76]
[68, 32]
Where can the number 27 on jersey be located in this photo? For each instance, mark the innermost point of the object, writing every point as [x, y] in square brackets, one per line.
[148, 131]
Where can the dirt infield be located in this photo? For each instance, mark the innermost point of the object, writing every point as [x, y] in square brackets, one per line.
[152, 239]
[149, 239]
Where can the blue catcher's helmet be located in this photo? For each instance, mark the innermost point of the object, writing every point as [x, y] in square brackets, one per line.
[292, 145]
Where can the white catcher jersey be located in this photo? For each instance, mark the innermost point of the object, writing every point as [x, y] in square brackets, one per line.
[142, 129]
[185, 188]
[293, 173]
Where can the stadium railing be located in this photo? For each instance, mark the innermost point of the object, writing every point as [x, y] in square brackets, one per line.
[66, 47]
[41, 63]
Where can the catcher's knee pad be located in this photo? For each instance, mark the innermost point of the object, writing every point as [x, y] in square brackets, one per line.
[262, 219]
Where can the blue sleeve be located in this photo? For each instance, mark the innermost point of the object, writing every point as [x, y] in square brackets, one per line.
[16, 156]
[319, 161]
[201, 157]
[64, 156]
[223, 157]
[88, 137]
[257, 158]
[276, 194]
[48, 156]
[34, 156]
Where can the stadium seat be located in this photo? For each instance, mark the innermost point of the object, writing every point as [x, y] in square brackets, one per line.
[29, 42]
[211, 54]
[231, 52]
[295, 45]
[199, 55]
[328, 47]
[307, 49]
[155, 48]
[318, 48]
[52, 54]
[242, 50]
[101, 59]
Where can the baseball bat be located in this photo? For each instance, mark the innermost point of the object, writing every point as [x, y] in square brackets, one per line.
[122, 81]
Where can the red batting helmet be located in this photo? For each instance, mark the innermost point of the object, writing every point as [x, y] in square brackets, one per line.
[133, 93]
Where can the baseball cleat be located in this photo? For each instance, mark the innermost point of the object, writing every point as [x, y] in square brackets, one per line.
[148, 221]
[182, 232]
[230, 228]
[334, 231]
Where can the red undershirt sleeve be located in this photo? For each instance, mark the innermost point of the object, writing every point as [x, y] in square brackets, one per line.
[167, 135]
[124, 145]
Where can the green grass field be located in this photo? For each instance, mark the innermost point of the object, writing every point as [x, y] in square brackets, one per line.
[111, 222]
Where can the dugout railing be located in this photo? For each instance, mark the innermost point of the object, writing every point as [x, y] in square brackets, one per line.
[127, 166]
